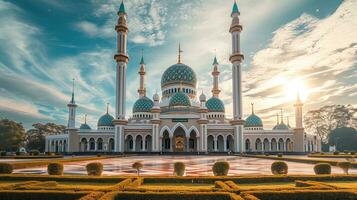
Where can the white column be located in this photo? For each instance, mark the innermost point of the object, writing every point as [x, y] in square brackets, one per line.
[225, 143]
[215, 144]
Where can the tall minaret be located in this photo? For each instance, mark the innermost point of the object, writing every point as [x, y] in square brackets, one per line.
[142, 89]
[236, 59]
[121, 57]
[298, 112]
[72, 110]
[215, 74]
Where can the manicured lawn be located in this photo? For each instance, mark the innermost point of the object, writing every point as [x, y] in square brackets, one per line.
[176, 187]
[265, 186]
[344, 184]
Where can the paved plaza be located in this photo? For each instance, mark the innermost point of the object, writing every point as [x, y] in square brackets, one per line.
[195, 165]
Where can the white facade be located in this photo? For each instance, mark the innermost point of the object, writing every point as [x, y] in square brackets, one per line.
[179, 120]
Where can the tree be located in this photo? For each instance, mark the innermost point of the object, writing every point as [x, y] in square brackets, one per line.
[327, 118]
[36, 136]
[12, 135]
[344, 138]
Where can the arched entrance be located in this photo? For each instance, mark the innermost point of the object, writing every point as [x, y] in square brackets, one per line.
[220, 143]
[148, 141]
[247, 145]
[210, 143]
[192, 142]
[84, 144]
[230, 143]
[258, 145]
[281, 145]
[129, 143]
[99, 144]
[273, 145]
[111, 144]
[166, 142]
[266, 144]
[138, 143]
[91, 144]
[179, 140]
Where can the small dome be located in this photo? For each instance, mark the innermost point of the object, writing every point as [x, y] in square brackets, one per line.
[214, 104]
[180, 99]
[105, 120]
[179, 73]
[202, 97]
[253, 121]
[156, 97]
[281, 126]
[143, 104]
[85, 127]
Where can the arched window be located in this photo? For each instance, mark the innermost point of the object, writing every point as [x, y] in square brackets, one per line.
[92, 144]
[100, 144]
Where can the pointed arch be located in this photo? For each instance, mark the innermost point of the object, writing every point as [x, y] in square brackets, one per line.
[163, 129]
[193, 128]
[179, 125]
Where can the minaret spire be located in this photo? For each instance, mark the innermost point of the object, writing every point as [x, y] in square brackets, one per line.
[252, 108]
[142, 89]
[281, 117]
[72, 110]
[298, 111]
[107, 108]
[72, 99]
[85, 119]
[215, 74]
[179, 53]
[277, 118]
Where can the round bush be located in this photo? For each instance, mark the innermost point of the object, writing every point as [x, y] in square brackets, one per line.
[34, 153]
[94, 169]
[279, 167]
[55, 169]
[179, 168]
[353, 153]
[280, 155]
[266, 154]
[3, 153]
[220, 168]
[345, 151]
[5, 168]
[137, 166]
[336, 152]
[345, 166]
[322, 168]
[99, 155]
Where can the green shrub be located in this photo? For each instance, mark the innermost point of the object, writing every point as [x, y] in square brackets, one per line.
[99, 155]
[5, 168]
[345, 152]
[18, 153]
[266, 154]
[94, 168]
[280, 155]
[322, 168]
[137, 166]
[2, 153]
[279, 167]
[336, 152]
[353, 153]
[179, 168]
[345, 166]
[220, 168]
[55, 169]
[34, 152]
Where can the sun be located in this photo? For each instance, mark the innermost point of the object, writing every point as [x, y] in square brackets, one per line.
[295, 87]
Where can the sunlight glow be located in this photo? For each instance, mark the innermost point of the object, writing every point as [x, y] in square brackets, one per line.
[293, 87]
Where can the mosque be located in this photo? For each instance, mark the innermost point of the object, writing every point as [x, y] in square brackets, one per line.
[181, 120]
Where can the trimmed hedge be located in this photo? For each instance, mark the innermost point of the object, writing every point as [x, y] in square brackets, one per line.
[34, 152]
[55, 169]
[179, 168]
[171, 196]
[345, 166]
[220, 168]
[94, 169]
[279, 167]
[41, 195]
[322, 168]
[5, 168]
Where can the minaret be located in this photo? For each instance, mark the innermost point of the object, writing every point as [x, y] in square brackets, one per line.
[121, 57]
[215, 74]
[142, 89]
[156, 141]
[236, 59]
[202, 142]
[72, 110]
[298, 112]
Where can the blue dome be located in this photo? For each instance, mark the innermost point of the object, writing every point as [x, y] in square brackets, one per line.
[180, 99]
[106, 120]
[281, 126]
[253, 121]
[85, 127]
[214, 104]
[179, 73]
[143, 104]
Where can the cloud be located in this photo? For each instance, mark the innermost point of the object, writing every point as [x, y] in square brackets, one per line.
[88, 28]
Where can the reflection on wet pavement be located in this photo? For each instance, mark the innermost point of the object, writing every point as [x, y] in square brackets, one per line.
[195, 165]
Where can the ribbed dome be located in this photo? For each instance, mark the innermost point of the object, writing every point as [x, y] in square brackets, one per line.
[85, 127]
[281, 126]
[143, 104]
[253, 121]
[105, 120]
[180, 99]
[179, 73]
[214, 104]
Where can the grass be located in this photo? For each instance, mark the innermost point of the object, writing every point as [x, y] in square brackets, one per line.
[344, 184]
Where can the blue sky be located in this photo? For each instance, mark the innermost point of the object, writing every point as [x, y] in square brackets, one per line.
[306, 44]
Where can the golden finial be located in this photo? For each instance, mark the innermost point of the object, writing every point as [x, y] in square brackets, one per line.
[179, 53]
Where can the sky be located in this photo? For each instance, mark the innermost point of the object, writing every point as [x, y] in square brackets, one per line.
[297, 45]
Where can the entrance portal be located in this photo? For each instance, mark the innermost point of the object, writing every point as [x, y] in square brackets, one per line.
[179, 138]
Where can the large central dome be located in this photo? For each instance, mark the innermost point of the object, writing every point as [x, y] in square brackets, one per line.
[177, 74]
